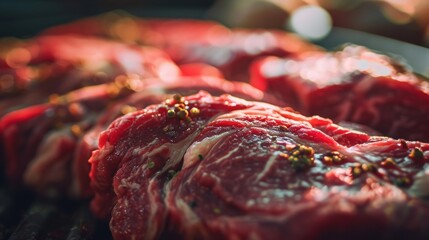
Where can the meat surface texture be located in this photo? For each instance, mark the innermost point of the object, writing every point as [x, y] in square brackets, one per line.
[230, 50]
[48, 132]
[159, 141]
[58, 90]
[353, 85]
[52, 89]
[154, 121]
[236, 169]
[59, 136]
[35, 69]
[154, 92]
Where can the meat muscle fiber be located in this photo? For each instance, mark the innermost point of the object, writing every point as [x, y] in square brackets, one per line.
[248, 170]
[158, 143]
[64, 132]
[154, 91]
[353, 85]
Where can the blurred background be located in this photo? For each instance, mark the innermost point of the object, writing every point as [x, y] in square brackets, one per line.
[405, 20]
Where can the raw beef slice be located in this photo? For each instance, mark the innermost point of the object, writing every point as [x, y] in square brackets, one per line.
[59, 136]
[48, 133]
[59, 64]
[231, 51]
[248, 170]
[159, 135]
[353, 85]
[249, 176]
[154, 91]
[190, 41]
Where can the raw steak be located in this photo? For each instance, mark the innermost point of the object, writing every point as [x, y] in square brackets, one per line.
[153, 93]
[49, 65]
[231, 51]
[39, 70]
[140, 152]
[60, 136]
[252, 181]
[248, 170]
[48, 133]
[353, 85]
[190, 41]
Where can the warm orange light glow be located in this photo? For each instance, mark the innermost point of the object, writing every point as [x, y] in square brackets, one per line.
[405, 6]
[7, 82]
[126, 30]
[18, 57]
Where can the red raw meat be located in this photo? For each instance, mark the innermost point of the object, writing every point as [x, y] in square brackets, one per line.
[59, 64]
[231, 51]
[60, 136]
[158, 142]
[48, 133]
[38, 70]
[247, 170]
[155, 92]
[191, 41]
[353, 85]
[213, 166]
[239, 181]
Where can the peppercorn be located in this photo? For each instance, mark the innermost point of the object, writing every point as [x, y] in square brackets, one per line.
[401, 181]
[368, 167]
[301, 157]
[194, 112]
[171, 113]
[178, 98]
[388, 162]
[416, 154]
[182, 114]
[333, 157]
[151, 164]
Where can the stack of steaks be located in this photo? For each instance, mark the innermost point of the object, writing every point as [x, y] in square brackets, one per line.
[185, 129]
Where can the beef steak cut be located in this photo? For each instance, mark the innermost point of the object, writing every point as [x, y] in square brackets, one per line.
[59, 64]
[248, 170]
[59, 136]
[48, 133]
[154, 91]
[230, 50]
[139, 152]
[353, 85]
[262, 176]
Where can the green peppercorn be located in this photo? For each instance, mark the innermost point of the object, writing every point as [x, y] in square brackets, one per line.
[182, 114]
[369, 167]
[171, 113]
[301, 157]
[151, 164]
[194, 112]
[356, 171]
